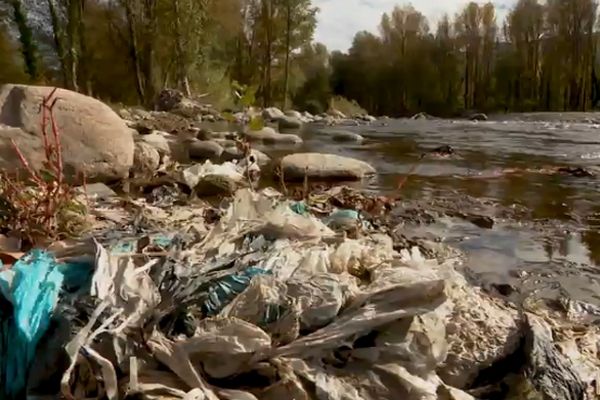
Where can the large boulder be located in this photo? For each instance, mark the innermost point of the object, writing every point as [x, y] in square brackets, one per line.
[324, 166]
[205, 149]
[96, 142]
[272, 113]
[270, 135]
[287, 122]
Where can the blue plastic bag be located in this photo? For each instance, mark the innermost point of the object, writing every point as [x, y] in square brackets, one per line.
[34, 284]
[32, 287]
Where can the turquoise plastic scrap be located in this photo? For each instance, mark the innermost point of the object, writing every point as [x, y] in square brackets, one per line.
[299, 207]
[349, 214]
[224, 290]
[342, 217]
[124, 247]
[34, 284]
[161, 240]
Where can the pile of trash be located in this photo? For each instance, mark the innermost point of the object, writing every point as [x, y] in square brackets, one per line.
[264, 298]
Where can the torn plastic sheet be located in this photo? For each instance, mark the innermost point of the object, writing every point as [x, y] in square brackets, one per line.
[236, 172]
[224, 290]
[32, 288]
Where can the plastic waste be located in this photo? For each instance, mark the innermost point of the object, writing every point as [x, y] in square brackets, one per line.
[236, 172]
[32, 288]
[299, 207]
[267, 302]
[226, 289]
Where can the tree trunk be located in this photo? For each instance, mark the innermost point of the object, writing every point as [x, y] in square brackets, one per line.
[287, 54]
[72, 36]
[148, 51]
[134, 51]
[182, 78]
[267, 21]
[83, 53]
[28, 47]
[58, 41]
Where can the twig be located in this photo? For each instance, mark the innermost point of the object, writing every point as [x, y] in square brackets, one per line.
[281, 174]
[412, 169]
[305, 185]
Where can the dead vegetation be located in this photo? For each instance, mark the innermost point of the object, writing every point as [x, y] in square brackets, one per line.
[41, 205]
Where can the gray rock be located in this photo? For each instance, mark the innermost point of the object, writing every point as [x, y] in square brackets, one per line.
[167, 145]
[224, 142]
[269, 135]
[138, 113]
[294, 114]
[215, 185]
[287, 122]
[233, 153]
[125, 114]
[205, 149]
[97, 190]
[168, 99]
[324, 166]
[146, 157]
[366, 118]
[478, 117]
[337, 114]
[96, 142]
[223, 135]
[421, 116]
[272, 113]
[345, 136]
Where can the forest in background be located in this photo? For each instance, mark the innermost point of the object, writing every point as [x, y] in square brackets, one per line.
[543, 56]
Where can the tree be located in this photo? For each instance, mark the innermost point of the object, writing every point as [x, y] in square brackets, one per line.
[315, 92]
[299, 28]
[28, 45]
[11, 70]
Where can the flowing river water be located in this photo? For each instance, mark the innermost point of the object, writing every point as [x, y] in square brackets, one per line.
[545, 238]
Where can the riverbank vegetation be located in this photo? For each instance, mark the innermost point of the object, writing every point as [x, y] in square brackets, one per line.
[541, 57]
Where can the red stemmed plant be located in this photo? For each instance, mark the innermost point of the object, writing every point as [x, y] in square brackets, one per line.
[37, 207]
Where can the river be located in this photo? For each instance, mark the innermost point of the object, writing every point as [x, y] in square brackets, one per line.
[549, 245]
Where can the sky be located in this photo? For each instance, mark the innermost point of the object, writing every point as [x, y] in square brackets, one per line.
[339, 20]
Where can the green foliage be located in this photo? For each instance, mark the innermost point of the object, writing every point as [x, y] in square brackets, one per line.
[245, 94]
[542, 57]
[348, 107]
[256, 123]
[11, 70]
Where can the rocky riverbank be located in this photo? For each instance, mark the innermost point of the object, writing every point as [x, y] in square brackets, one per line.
[193, 280]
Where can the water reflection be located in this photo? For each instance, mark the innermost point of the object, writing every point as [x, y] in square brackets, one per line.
[485, 151]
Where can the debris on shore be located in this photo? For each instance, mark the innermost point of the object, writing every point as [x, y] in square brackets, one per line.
[266, 294]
